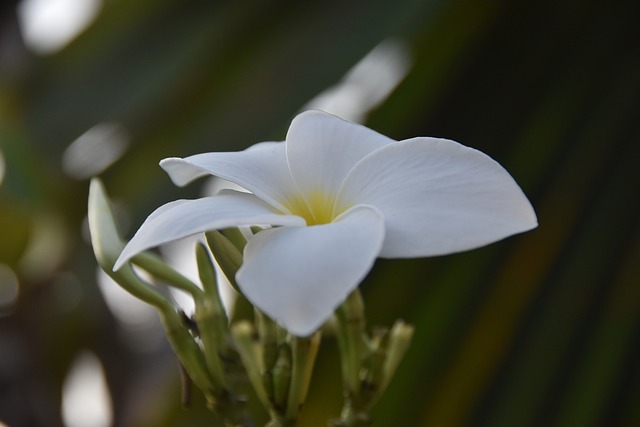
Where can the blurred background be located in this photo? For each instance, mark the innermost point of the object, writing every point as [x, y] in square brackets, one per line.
[541, 329]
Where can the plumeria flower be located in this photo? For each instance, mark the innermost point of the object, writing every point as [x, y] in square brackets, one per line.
[337, 195]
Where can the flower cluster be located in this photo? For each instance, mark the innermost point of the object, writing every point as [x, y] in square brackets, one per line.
[331, 199]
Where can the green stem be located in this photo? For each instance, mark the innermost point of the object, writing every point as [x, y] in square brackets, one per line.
[244, 337]
[206, 319]
[228, 256]
[304, 351]
[218, 324]
[268, 335]
[236, 237]
[183, 344]
[200, 369]
[281, 378]
[158, 268]
[399, 340]
[189, 353]
[351, 341]
[129, 281]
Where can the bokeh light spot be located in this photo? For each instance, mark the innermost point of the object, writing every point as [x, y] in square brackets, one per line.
[86, 401]
[48, 25]
[367, 84]
[95, 150]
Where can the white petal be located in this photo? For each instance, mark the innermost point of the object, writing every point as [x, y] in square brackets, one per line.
[438, 197]
[299, 275]
[182, 218]
[261, 169]
[322, 148]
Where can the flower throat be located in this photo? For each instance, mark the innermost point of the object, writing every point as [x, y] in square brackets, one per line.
[316, 208]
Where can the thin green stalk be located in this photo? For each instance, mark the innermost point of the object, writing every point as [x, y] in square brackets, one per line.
[183, 344]
[244, 335]
[281, 377]
[351, 339]
[189, 353]
[130, 282]
[228, 256]
[399, 340]
[268, 333]
[236, 237]
[268, 336]
[207, 320]
[304, 351]
[373, 367]
[219, 323]
[107, 246]
[158, 268]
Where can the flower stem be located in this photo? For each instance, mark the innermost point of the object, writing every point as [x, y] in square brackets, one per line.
[205, 370]
[244, 336]
[158, 268]
[304, 351]
[399, 340]
[280, 377]
[368, 362]
[227, 255]
[211, 319]
[351, 335]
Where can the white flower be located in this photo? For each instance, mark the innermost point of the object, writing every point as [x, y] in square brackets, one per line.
[339, 195]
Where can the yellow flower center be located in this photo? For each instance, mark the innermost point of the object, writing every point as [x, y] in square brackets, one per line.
[316, 207]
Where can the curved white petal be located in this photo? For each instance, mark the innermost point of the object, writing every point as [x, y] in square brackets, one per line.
[261, 169]
[322, 148]
[182, 218]
[299, 275]
[438, 197]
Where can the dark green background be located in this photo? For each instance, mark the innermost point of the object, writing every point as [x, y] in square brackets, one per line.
[541, 329]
